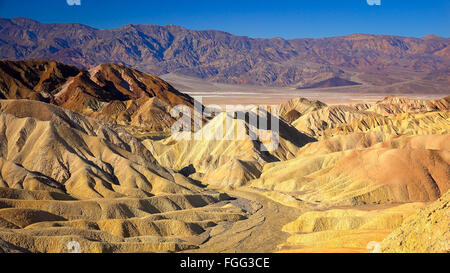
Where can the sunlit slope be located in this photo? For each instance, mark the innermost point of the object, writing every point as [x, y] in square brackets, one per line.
[401, 124]
[227, 155]
[315, 122]
[368, 158]
[118, 94]
[113, 93]
[154, 224]
[344, 230]
[398, 105]
[393, 116]
[425, 232]
[44, 147]
[65, 177]
[295, 108]
[348, 176]
[360, 141]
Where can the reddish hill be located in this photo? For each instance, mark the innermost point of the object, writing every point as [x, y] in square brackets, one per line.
[110, 92]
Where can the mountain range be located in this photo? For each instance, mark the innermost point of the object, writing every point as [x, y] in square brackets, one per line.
[85, 157]
[222, 57]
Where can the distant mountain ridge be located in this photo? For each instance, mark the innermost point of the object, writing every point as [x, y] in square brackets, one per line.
[223, 57]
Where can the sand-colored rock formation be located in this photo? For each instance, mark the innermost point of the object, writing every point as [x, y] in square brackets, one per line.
[398, 152]
[341, 176]
[393, 116]
[65, 177]
[344, 230]
[397, 105]
[295, 108]
[154, 224]
[227, 155]
[425, 232]
[402, 169]
[401, 124]
[110, 92]
[315, 122]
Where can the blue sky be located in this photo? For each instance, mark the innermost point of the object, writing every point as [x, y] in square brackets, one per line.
[254, 18]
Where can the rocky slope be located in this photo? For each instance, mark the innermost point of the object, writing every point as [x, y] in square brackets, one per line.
[231, 155]
[402, 169]
[392, 115]
[223, 57]
[344, 230]
[110, 92]
[162, 223]
[425, 232]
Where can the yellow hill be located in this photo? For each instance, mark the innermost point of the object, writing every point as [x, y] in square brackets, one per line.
[344, 230]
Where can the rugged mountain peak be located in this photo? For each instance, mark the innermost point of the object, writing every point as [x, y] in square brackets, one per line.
[111, 92]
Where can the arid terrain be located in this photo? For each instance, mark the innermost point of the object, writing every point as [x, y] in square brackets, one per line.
[389, 64]
[225, 94]
[86, 157]
[342, 144]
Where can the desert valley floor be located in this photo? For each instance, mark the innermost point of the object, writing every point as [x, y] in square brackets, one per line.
[86, 156]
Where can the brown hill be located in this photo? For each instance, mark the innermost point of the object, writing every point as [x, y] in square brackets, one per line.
[113, 93]
[223, 57]
[32, 80]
